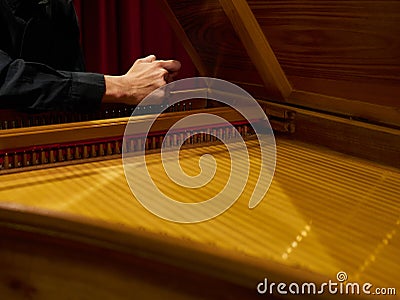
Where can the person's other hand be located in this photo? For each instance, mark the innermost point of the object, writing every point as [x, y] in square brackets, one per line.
[146, 75]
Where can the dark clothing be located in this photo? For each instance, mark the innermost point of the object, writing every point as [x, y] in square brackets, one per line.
[41, 63]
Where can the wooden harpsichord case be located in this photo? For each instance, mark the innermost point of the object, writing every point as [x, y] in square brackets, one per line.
[335, 63]
[327, 74]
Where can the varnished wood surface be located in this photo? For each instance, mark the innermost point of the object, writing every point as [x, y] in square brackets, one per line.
[257, 47]
[363, 111]
[369, 141]
[324, 213]
[339, 57]
[18, 138]
[219, 48]
[347, 49]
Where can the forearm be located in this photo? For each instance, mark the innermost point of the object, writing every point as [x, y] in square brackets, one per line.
[25, 85]
[115, 90]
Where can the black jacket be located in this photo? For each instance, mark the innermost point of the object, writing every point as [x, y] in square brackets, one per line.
[41, 63]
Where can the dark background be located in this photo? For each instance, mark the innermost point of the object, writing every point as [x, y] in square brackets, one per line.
[114, 33]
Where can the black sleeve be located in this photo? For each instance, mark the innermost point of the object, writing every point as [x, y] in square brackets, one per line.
[35, 86]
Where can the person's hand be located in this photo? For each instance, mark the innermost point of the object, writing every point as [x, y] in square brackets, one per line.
[146, 75]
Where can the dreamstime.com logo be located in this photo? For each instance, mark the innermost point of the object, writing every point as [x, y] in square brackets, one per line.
[340, 287]
[145, 189]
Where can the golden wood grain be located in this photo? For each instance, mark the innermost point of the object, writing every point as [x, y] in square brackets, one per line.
[342, 49]
[339, 56]
[97, 129]
[324, 212]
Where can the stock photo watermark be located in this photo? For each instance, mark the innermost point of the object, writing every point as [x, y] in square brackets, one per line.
[145, 189]
[340, 286]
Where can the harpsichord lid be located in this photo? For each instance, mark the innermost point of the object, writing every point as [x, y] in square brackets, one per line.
[340, 57]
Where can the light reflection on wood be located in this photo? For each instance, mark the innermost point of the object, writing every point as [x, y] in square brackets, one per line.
[324, 212]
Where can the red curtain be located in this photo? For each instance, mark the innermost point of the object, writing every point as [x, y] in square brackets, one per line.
[114, 33]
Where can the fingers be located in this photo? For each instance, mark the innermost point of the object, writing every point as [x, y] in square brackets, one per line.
[160, 72]
[170, 68]
[169, 77]
[170, 65]
[148, 59]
